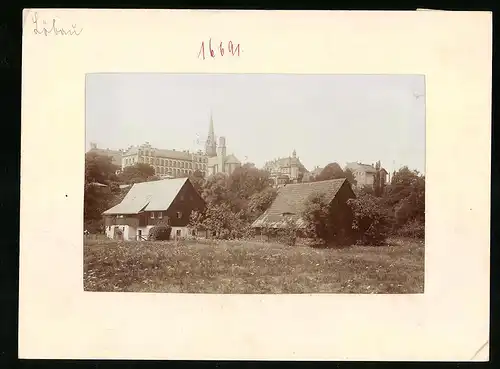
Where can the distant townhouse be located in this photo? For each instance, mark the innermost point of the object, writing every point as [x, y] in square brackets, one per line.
[366, 174]
[285, 170]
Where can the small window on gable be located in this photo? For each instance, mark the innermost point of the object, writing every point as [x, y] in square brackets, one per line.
[152, 215]
[182, 197]
[179, 215]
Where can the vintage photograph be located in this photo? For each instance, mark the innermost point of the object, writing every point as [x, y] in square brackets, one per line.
[254, 183]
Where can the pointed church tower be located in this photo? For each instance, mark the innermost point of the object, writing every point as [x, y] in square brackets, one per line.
[210, 145]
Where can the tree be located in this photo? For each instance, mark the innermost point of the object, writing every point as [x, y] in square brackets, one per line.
[331, 171]
[99, 169]
[349, 175]
[219, 221]
[197, 178]
[378, 185]
[371, 223]
[334, 171]
[99, 189]
[261, 201]
[215, 189]
[139, 172]
[327, 221]
[246, 181]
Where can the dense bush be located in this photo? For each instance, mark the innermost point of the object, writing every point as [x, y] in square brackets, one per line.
[412, 229]
[329, 223]
[371, 223]
[160, 233]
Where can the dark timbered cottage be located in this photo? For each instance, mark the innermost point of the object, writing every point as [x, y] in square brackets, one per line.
[150, 203]
[286, 209]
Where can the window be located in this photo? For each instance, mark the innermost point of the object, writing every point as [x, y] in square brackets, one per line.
[119, 216]
[160, 215]
[179, 215]
[178, 233]
[182, 197]
[152, 215]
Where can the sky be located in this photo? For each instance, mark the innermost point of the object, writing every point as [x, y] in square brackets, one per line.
[325, 118]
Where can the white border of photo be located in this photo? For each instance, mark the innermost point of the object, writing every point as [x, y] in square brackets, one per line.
[450, 321]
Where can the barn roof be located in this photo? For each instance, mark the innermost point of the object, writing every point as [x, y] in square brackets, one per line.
[291, 201]
[149, 196]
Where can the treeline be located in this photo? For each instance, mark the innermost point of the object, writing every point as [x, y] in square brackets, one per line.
[102, 186]
[234, 202]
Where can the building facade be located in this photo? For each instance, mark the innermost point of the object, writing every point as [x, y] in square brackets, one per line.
[366, 174]
[182, 163]
[285, 170]
[167, 163]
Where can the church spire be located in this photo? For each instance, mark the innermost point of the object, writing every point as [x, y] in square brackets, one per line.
[210, 146]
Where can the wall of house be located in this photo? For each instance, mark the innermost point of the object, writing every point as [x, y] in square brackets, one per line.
[184, 204]
[130, 233]
[180, 232]
[364, 179]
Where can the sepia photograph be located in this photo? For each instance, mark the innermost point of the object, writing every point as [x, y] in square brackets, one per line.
[254, 183]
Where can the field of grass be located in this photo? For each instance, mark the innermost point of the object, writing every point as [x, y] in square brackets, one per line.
[252, 267]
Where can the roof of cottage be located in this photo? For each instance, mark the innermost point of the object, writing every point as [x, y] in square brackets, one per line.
[291, 201]
[149, 196]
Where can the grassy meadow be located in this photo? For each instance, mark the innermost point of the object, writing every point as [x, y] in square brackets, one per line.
[252, 267]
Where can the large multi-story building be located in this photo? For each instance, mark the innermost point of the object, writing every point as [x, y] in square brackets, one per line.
[181, 163]
[286, 170]
[167, 163]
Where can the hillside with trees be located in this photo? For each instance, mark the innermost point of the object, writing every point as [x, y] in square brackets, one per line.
[235, 201]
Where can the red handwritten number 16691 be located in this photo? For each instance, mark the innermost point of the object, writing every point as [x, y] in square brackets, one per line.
[231, 49]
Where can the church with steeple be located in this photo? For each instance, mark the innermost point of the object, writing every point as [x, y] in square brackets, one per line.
[218, 159]
[181, 163]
